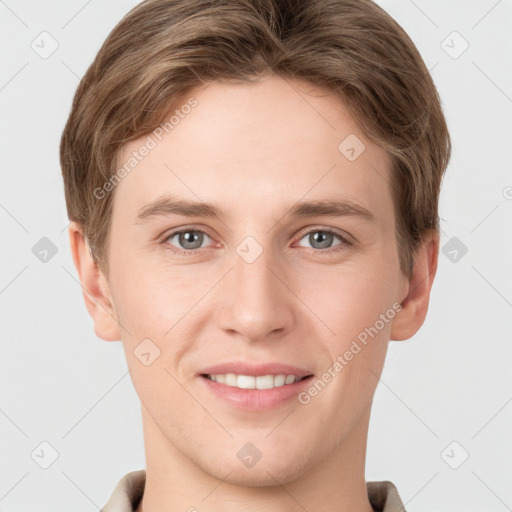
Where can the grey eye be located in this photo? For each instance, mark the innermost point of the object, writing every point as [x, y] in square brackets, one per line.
[321, 238]
[188, 239]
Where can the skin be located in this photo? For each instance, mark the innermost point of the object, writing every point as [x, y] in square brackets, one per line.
[254, 150]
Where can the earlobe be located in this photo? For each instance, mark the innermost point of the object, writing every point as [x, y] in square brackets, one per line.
[95, 289]
[415, 305]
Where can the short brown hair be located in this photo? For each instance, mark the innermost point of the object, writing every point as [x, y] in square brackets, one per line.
[163, 48]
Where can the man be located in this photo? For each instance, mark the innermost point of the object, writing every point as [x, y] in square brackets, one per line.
[254, 188]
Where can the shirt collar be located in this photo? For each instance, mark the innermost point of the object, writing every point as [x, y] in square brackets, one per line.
[383, 495]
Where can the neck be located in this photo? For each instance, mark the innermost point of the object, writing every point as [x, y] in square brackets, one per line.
[175, 482]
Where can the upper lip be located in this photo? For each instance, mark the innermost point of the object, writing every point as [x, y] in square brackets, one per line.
[256, 370]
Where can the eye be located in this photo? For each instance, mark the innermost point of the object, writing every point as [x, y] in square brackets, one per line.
[187, 240]
[322, 239]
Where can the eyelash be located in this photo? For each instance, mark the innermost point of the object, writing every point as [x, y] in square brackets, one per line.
[191, 252]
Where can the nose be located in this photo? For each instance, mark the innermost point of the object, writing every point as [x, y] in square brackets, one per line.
[256, 300]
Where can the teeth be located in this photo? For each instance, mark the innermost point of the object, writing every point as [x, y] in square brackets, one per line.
[289, 379]
[251, 382]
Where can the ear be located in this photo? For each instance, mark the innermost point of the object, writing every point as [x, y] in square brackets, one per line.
[95, 289]
[415, 305]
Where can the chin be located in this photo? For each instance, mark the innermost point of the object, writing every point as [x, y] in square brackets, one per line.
[267, 472]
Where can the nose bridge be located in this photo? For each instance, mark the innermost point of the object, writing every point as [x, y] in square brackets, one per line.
[256, 302]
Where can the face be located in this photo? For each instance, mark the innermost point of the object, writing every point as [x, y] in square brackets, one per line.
[251, 285]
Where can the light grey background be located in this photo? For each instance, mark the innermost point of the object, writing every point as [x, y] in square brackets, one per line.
[452, 382]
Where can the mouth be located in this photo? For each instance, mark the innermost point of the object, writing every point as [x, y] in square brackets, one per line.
[255, 387]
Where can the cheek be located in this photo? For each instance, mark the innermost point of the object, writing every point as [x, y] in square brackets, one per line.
[159, 310]
[357, 307]
[151, 301]
[349, 299]
[153, 311]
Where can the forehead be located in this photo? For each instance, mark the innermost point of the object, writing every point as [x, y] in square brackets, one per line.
[250, 148]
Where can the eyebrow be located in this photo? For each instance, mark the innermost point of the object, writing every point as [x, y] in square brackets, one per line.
[169, 205]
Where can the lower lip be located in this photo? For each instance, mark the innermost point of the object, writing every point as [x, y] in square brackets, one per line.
[256, 399]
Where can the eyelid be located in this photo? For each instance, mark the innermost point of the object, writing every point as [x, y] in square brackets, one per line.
[171, 232]
[320, 227]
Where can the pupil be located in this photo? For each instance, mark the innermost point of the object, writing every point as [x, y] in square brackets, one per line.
[189, 237]
[321, 236]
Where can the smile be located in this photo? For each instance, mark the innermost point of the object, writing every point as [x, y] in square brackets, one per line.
[253, 382]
